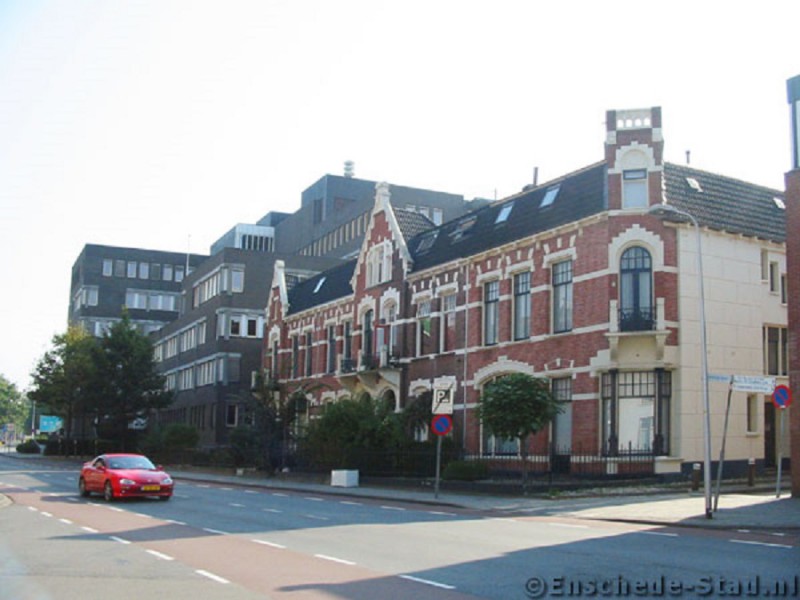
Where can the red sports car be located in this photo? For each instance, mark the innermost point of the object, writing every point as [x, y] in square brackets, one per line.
[124, 476]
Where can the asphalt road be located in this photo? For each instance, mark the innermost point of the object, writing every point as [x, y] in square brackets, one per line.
[240, 543]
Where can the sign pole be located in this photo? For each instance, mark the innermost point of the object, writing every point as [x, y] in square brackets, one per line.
[780, 453]
[722, 450]
[438, 465]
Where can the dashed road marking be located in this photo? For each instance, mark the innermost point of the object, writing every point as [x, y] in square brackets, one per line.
[215, 531]
[334, 559]
[436, 584]
[211, 576]
[120, 540]
[768, 545]
[160, 555]
[270, 544]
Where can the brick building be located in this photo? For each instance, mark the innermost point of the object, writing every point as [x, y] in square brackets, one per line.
[578, 280]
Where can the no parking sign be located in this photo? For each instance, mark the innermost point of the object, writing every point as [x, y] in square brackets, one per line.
[782, 396]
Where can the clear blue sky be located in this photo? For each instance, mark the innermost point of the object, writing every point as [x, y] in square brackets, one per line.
[143, 123]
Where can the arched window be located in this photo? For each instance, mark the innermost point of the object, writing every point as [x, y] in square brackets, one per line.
[367, 339]
[636, 312]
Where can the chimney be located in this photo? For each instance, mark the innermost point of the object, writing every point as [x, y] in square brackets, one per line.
[349, 168]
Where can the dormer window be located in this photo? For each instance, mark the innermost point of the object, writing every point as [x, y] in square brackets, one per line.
[502, 216]
[550, 196]
[634, 188]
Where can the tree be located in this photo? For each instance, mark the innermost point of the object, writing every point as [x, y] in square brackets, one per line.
[516, 406]
[127, 384]
[13, 409]
[63, 379]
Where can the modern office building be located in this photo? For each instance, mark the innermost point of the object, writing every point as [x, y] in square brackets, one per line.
[108, 279]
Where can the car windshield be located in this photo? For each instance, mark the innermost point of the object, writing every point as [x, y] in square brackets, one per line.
[129, 462]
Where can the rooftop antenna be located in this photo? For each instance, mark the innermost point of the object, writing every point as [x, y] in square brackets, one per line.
[688, 157]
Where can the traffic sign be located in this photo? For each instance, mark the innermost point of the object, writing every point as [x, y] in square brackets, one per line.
[442, 401]
[441, 424]
[782, 396]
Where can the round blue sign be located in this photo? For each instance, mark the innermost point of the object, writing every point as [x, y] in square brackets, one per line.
[782, 396]
[441, 424]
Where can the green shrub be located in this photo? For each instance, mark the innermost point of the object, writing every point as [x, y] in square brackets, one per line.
[466, 470]
[28, 447]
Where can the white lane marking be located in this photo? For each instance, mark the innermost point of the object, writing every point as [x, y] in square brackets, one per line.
[236, 505]
[270, 544]
[144, 516]
[761, 544]
[314, 499]
[211, 576]
[250, 492]
[160, 555]
[350, 503]
[272, 510]
[661, 533]
[120, 540]
[203, 485]
[215, 531]
[280, 494]
[441, 513]
[33, 509]
[317, 517]
[66, 521]
[226, 489]
[334, 559]
[89, 530]
[443, 586]
[175, 522]
[115, 509]
[392, 508]
[47, 514]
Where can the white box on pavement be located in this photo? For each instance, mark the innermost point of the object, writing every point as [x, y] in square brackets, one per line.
[344, 478]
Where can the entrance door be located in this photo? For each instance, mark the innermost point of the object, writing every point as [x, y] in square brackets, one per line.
[769, 435]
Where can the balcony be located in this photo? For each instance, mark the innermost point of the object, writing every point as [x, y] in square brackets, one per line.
[630, 331]
[637, 319]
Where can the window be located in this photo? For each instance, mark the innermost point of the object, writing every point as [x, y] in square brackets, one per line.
[636, 408]
[134, 299]
[347, 349]
[367, 342]
[179, 273]
[309, 354]
[752, 413]
[274, 367]
[562, 296]
[502, 216]
[776, 351]
[132, 270]
[232, 415]
[463, 227]
[108, 267]
[636, 291]
[155, 271]
[166, 273]
[562, 424]
[424, 328]
[634, 188]
[237, 280]
[774, 277]
[119, 268]
[319, 285]
[522, 306]
[784, 290]
[491, 304]
[449, 322]
[252, 327]
[331, 366]
[437, 216]
[295, 356]
[379, 265]
[144, 270]
[236, 327]
[550, 196]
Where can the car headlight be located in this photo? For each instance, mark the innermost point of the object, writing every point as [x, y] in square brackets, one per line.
[127, 482]
[166, 481]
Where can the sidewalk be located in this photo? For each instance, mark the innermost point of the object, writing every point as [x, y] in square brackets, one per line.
[736, 510]
[738, 507]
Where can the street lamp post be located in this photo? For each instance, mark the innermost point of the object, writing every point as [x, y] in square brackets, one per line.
[667, 208]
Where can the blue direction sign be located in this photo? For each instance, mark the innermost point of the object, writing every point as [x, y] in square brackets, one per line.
[441, 424]
[782, 396]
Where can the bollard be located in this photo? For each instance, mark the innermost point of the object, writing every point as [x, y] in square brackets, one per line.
[695, 477]
[751, 472]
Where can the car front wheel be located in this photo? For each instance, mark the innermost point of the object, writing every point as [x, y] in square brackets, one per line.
[108, 492]
[82, 488]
